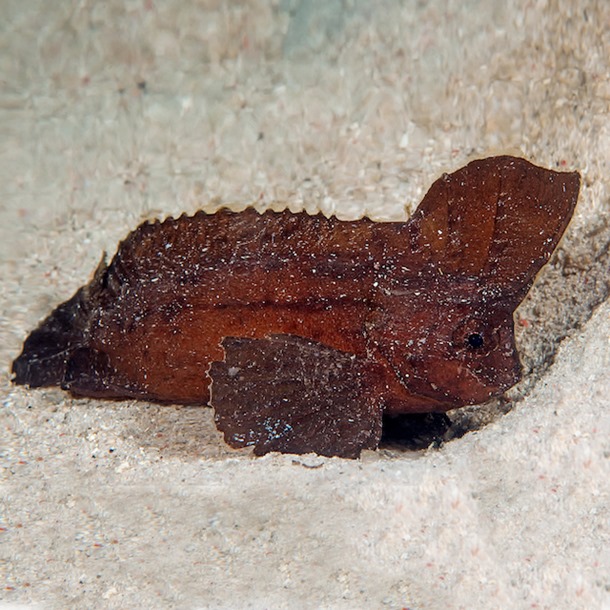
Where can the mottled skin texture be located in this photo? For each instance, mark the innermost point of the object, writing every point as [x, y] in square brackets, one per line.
[419, 314]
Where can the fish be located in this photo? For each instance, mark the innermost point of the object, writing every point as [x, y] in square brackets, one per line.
[302, 331]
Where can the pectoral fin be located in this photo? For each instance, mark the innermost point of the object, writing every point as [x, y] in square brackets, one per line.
[289, 394]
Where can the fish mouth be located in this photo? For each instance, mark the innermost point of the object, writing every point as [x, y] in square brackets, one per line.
[476, 387]
[450, 385]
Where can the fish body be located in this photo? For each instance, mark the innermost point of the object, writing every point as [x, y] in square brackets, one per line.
[296, 327]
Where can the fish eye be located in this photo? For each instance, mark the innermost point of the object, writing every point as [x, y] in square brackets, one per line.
[475, 340]
[475, 336]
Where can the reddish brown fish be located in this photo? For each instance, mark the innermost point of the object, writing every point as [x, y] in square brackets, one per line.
[302, 330]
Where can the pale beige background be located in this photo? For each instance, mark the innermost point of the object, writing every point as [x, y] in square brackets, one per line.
[114, 112]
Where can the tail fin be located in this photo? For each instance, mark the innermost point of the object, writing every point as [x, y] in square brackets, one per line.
[47, 350]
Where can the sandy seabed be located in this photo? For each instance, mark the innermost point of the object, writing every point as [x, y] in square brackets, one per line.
[115, 112]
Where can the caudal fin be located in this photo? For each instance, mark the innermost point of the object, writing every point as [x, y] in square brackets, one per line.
[47, 349]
